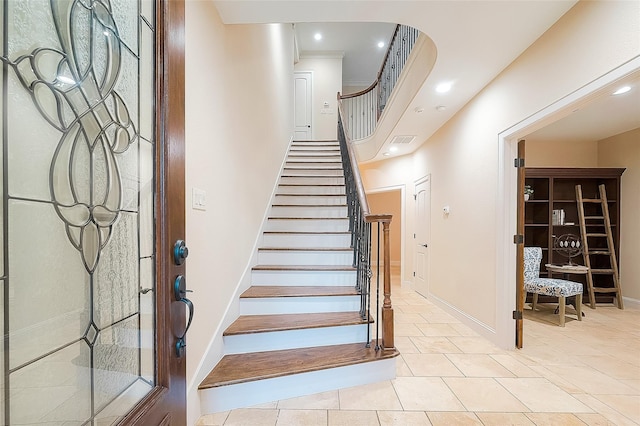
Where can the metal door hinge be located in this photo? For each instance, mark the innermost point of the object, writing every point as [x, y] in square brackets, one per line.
[518, 239]
[517, 315]
[518, 162]
[414, 274]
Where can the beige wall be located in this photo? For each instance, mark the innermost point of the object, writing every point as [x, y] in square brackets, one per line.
[238, 125]
[623, 150]
[347, 90]
[463, 156]
[327, 82]
[561, 154]
[388, 202]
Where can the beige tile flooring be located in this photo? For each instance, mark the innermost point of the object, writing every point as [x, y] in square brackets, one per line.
[585, 373]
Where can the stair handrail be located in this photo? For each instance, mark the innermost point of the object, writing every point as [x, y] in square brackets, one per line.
[360, 220]
[368, 104]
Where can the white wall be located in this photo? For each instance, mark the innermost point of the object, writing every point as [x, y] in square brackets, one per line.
[623, 150]
[463, 156]
[239, 121]
[327, 82]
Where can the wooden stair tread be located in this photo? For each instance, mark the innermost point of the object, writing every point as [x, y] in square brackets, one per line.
[241, 368]
[303, 268]
[251, 324]
[267, 291]
[309, 232]
[305, 249]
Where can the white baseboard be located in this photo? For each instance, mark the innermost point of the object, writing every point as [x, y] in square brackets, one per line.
[631, 303]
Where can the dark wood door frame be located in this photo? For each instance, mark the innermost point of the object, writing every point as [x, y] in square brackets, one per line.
[520, 293]
[166, 403]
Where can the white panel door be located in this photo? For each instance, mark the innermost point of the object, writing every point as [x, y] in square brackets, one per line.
[422, 236]
[302, 82]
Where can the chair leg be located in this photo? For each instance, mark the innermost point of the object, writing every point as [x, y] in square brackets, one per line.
[579, 306]
[562, 305]
[535, 301]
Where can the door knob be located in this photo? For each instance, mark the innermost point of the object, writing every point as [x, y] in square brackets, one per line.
[424, 245]
[180, 252]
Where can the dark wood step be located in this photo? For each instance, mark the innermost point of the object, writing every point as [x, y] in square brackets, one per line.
[252, 324]
[337, 268]
[242, 368]
[268, 291]
[305, 249]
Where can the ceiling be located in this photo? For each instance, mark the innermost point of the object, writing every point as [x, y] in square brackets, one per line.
[357, 40]
[465, 34]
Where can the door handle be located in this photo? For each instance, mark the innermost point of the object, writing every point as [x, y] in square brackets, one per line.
[179, 291]
[425, 245]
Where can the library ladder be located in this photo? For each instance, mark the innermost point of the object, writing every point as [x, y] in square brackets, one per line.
[598, 221]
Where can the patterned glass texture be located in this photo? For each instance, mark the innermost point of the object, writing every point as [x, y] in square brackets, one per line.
[79, 170]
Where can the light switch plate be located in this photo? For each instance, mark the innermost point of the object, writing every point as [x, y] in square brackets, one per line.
[198, 199]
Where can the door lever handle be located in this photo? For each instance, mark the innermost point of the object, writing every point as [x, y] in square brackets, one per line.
[179, 291]
[424, 245]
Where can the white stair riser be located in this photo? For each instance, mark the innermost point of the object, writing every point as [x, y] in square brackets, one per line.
[299, 305]
[308, 211]
[334, 159]
[310, 189]
[303, 278]
[318, 153]
[282, 257]
[301, 171]
[306, 240]
[252, 393]
[333, 225]
[313, 165]
[307, 199]
[292, 339]
[315, 145]
[313, 180]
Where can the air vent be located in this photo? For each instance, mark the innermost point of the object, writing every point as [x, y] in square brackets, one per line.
[403, 140]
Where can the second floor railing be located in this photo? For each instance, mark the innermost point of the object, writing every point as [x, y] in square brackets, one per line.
[363, 226]
[363, 109]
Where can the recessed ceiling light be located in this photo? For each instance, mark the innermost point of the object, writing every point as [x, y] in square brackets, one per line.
[622, 90]
[386, 154]
[443, 87]
[381, 44]
[318, 36]
[393, 148]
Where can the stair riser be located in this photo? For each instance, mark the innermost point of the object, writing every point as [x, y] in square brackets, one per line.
[313, 165]
[320, 159]
[308, 211]
[306, 199]
[271, 257]
[315, 144]
[313, 180]
[292, 339]
[325, 153]
[299, 305]
[310, 189]
[261, 391]
[335, 225]
[301, 171]
[306, 240]
[303, 278]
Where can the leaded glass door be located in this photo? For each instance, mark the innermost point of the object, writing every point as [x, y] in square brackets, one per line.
[80, 190]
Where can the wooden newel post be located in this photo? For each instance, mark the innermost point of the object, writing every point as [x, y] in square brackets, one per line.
[387, 310]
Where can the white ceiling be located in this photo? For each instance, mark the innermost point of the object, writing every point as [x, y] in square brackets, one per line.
[357, 40]
[466, 35]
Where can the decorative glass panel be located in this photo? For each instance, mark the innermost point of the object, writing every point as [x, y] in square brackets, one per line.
[80, 278]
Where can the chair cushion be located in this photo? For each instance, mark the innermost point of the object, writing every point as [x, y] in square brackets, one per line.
[553, 287]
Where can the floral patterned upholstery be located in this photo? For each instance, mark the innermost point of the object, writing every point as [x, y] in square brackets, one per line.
[547, 286]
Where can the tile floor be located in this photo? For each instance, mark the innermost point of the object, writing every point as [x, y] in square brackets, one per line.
[587, 373]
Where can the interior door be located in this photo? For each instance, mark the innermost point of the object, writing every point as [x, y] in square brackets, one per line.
[93, 148]
[302, 83]
[520, 293]
[422, 236]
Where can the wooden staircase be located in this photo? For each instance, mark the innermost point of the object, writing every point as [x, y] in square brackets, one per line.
[299, 330]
